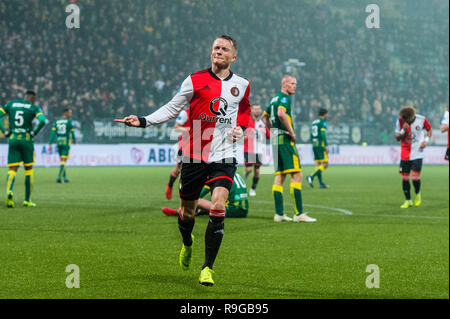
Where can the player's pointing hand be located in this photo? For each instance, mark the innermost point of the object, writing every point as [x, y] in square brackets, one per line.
[131, 120]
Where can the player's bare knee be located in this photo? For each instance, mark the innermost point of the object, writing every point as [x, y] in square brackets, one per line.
[187, 209]
[218, 198]
[279, 179]
[218, 203]
[297, 177]
[405, 177]
[187, 213]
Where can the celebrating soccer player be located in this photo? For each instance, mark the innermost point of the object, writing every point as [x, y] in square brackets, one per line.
[410, 130]
[64, 132]
[219, 114]
[285, 154]
[20, 135]
[320, 147]
[254, 144]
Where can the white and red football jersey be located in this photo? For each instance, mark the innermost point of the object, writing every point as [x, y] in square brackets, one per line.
[445, 121]
[413, 137]
[256, 135]
[216, 107]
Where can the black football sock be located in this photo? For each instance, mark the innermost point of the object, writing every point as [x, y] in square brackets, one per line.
[172, 179]
[255, 182]
[416, 184]
[213, 239]
[407, 189]
[185, 228]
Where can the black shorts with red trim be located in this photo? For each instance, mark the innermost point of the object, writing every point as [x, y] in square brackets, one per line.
[408, 166]
[446, 155]
[252, 159]
[194, 176]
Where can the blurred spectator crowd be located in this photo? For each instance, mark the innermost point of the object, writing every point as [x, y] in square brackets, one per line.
[130, 57]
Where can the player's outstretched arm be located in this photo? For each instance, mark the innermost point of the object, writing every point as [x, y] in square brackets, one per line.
[167, 111]
[131, 120]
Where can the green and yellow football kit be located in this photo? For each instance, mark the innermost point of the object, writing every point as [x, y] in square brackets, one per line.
[20, 133]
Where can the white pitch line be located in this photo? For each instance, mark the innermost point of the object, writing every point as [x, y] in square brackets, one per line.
[347, 212]
[344, 211]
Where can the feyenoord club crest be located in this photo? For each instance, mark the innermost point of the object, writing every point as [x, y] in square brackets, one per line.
[234, 91]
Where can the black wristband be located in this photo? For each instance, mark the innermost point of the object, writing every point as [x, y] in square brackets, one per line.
[243, 129]
[142, 122]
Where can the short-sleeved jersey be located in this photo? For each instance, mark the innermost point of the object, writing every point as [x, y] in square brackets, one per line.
[283, 101]
[237, 196]
[21, 114]
[318, 133]
[414, 136]
[445, 121]
[63, 130]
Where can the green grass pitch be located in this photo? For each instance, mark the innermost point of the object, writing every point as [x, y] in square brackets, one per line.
[108, 222]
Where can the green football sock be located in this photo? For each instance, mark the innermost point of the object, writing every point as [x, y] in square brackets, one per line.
[10, 180]
[62, 170]
[28, 184]
[316, 173]
[278, 197]
[296, 193]
[319, 175]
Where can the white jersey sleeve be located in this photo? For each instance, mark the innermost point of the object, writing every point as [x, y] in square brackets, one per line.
[171, 109]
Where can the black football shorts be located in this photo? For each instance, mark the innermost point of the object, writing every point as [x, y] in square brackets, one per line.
[408, 166]
[194, 176]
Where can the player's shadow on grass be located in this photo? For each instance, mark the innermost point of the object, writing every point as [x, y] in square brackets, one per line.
[132, 210]
[300, 293]
[178, 279]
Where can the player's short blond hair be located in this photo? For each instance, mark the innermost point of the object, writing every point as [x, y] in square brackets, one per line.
[227, 37]
[286, 77]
